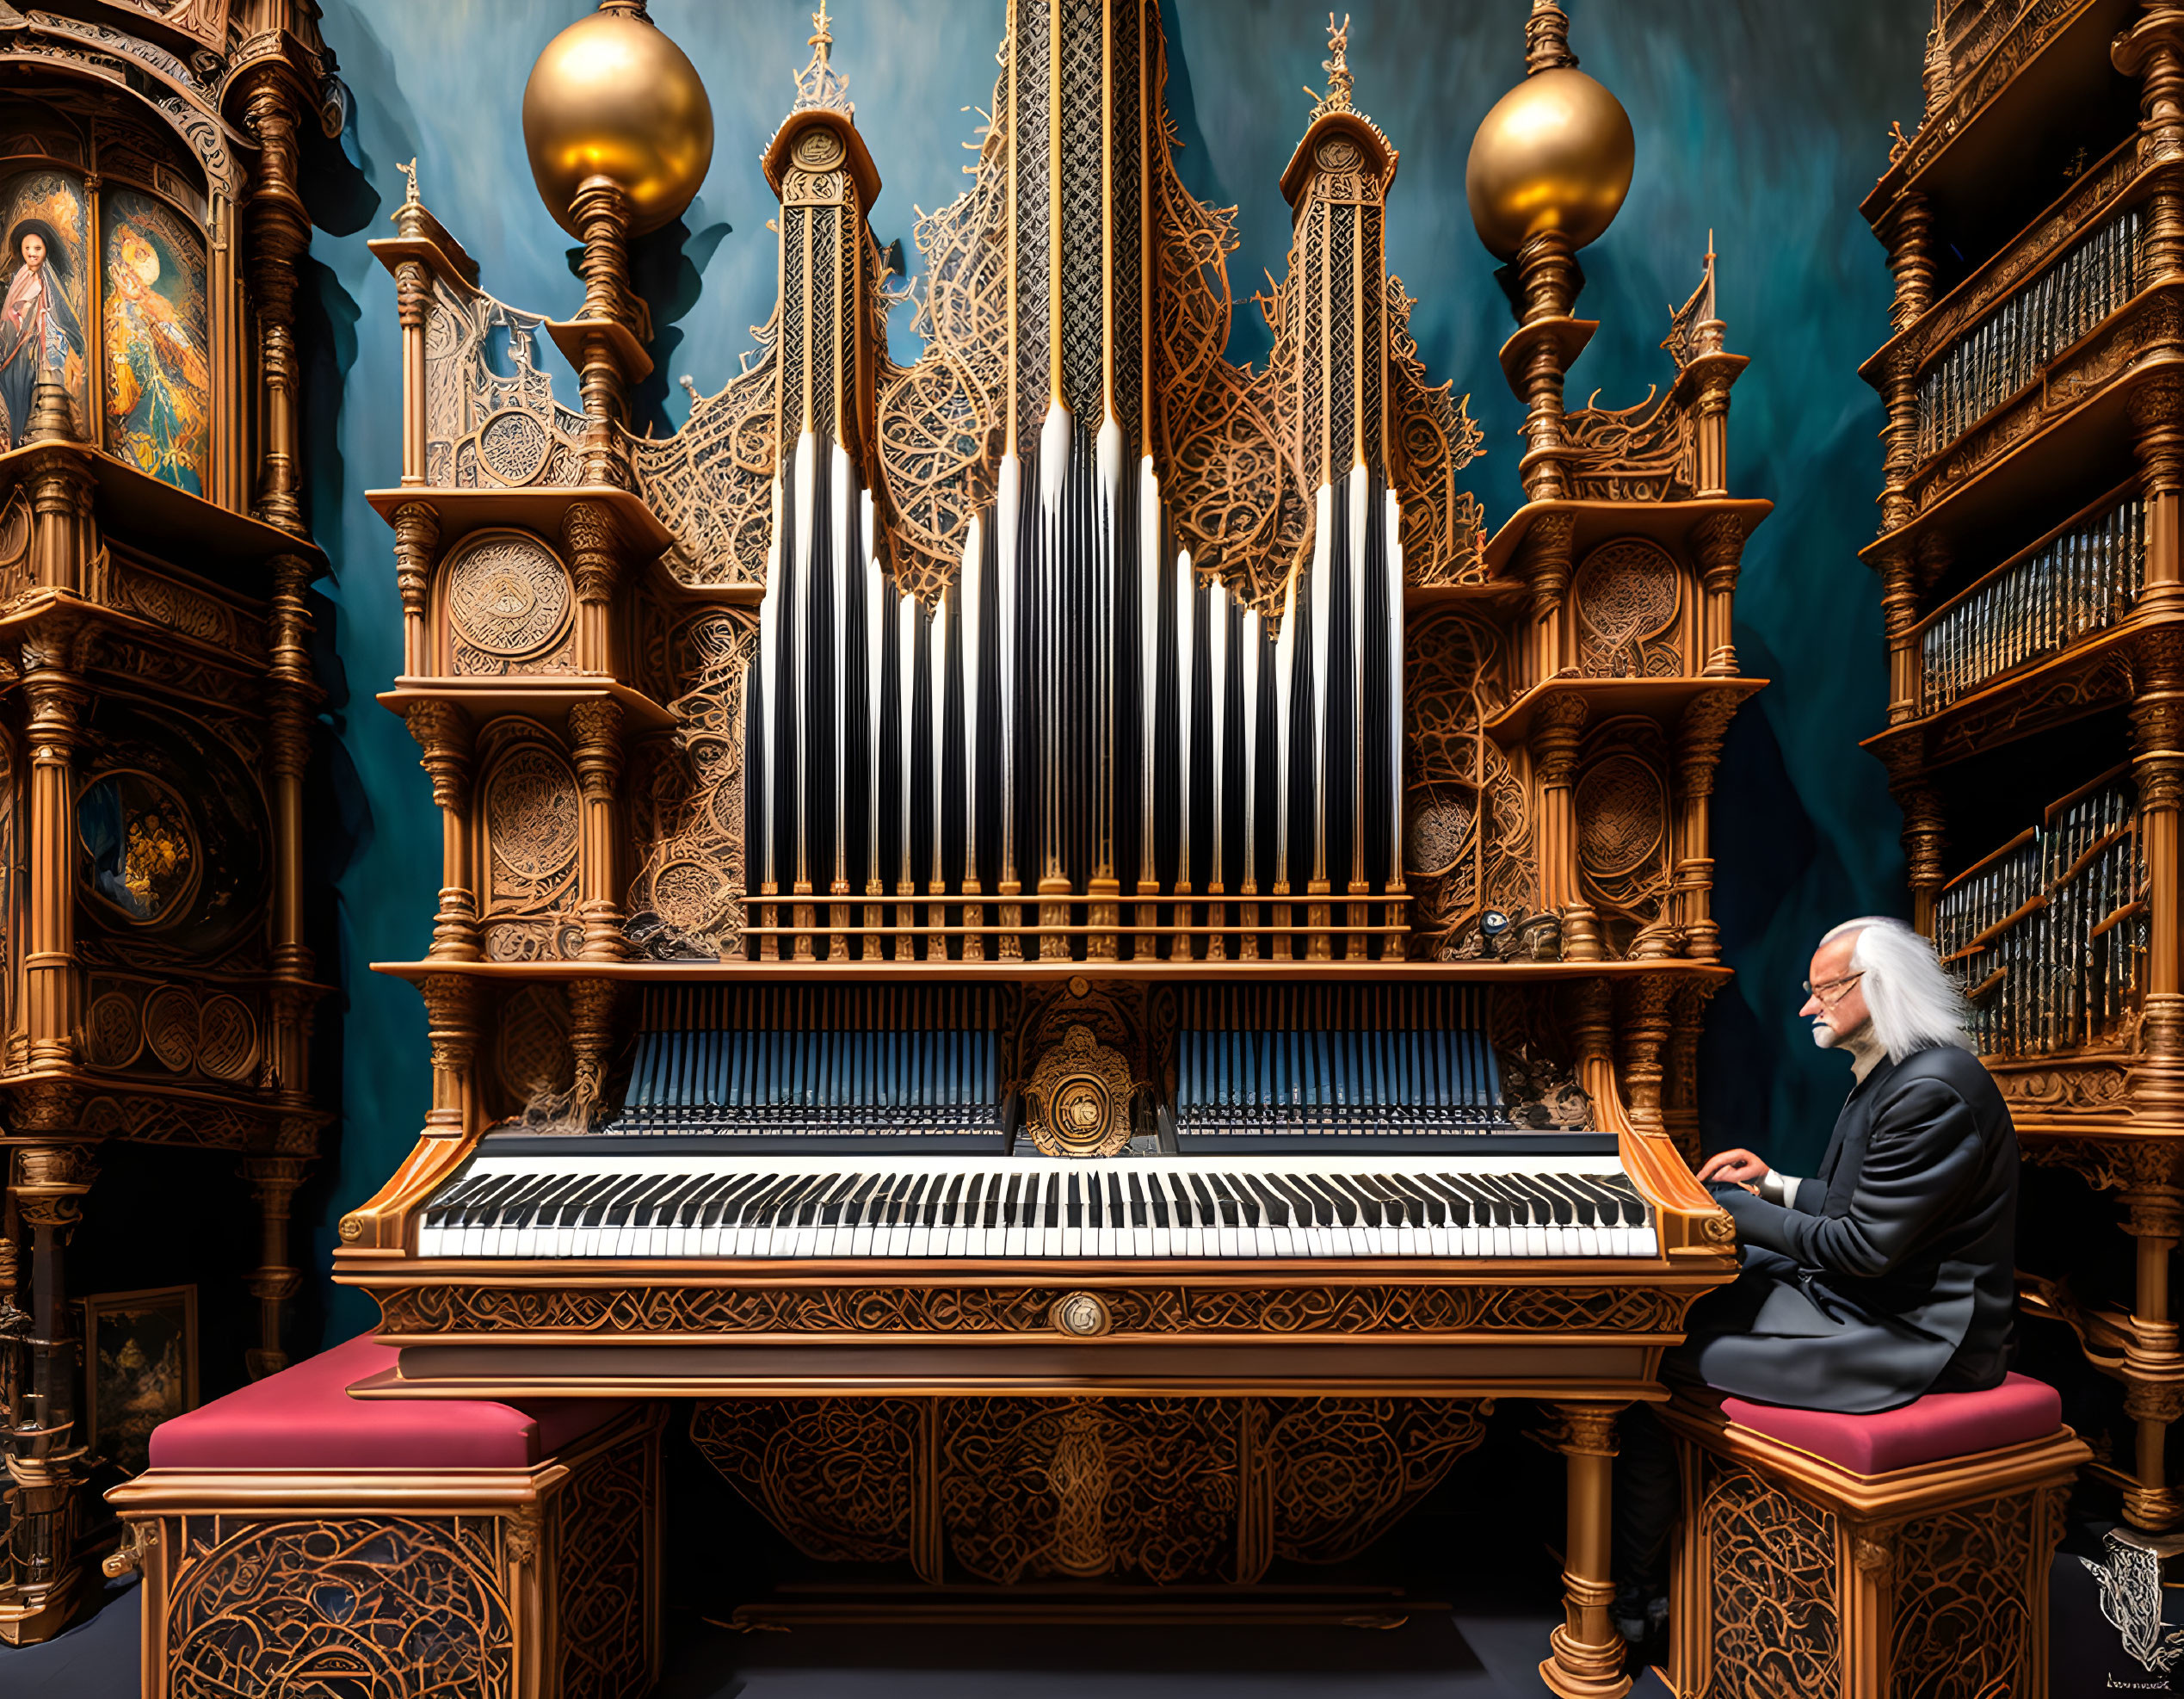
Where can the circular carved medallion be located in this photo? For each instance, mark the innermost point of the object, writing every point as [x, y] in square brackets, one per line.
[170, 1027]
[227, 1042]
[513, 446]
[1079, 1098]
[1435, 838]
[819, 149]
[1084, 1315]
[112, 1034]
[688, 894]
[507, 595]
[142, 845]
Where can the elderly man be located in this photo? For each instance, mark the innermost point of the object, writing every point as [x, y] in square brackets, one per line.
[1885, 1275]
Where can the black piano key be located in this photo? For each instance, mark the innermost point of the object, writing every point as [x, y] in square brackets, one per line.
[1137, 1203]
[1114, 1198]
[1094, 1203]
[1159, 1203]
[595, 1213]
[991, 1211]
[1237, 1209]
[1207, 1213]
[1074, 1214]
[952, 1205]
[1569, 1209]
[1297, 1199]
[1422, 1208]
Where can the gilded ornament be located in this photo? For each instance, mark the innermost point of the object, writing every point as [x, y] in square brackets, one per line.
[1079, 1098]
[1555, 154]
[613, 97]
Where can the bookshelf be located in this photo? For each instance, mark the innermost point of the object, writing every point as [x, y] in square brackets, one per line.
[2028, 554]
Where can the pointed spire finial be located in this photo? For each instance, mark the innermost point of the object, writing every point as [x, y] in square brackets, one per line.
[1336, 64]
[410, 184]
[1546, 38]
[819, 84]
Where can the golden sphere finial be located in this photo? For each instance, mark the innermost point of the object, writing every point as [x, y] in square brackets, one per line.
[611, 96]
[1555, 153]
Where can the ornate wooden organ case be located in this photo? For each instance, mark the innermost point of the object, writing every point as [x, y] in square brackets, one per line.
[968, 763]
[156, 690]
[2029, 560]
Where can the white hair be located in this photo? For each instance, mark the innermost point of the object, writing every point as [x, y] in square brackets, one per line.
[1914, 1004]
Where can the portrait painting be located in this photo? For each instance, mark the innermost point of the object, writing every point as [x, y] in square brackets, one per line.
[44, 289]
[140, 1369]
[158, 389]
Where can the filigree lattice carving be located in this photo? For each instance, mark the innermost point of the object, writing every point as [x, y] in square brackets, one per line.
[1775, 1626]
[1167, 1490]
[1960, 1630]
[385, 1605]
[1627, 593]
[1467, 833]
[604, 1554]
[834, 1475]
[480, 363]
[690, 824]
[1442, 526]
[712, 483]
[1644, 453]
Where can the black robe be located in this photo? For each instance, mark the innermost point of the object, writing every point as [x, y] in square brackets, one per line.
[1893, 1275]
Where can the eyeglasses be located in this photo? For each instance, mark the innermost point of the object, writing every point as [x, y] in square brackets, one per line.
[1830, 991]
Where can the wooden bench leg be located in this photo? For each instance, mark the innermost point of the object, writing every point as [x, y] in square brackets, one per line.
[1588, 1660]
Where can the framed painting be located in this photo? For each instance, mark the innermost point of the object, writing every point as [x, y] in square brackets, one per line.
[140, 1369]
[158, 385]
[44, 286]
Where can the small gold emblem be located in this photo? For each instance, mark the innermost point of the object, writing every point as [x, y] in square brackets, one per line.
[1079, 1098]
[1084, 1315]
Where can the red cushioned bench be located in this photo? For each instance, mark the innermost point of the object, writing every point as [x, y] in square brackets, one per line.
[1854, 1557]
[292, 1535]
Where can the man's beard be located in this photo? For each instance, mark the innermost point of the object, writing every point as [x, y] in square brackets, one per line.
[1827, 1038]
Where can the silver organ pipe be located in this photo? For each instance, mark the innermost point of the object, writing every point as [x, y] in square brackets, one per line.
[1148, 668]
[937, 644]
[1323, 620]
[807, 696]
[1185, 670]
[1216, 632]
[1360, 503]
[838, 561]
[1252, 639]
[905, 739]
[1284, 700]
[1392, 522]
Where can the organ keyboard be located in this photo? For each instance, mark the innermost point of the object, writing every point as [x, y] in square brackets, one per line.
[557, 1204]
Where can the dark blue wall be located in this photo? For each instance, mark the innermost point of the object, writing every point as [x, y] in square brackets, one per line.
[1761, 120]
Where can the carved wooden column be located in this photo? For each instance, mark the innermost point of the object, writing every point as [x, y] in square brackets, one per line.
[599, 212]
[51, 982]
[1699, 740]
[589, 531]
[2157, 424]
[2153, 1366]
[1544, 563]
[276, 1280]
[1554, 762]
[2152, 50]
[1718, 542]
[591, 1016]
[417, 544]
[64, 536]
[1680, 1099]
[443, 735]
[595, 733]
[45, 1457]
[412, 300]
[1925, 834]
[1645, 1040]
[277, 229]
[1588, 1660]
[294, 698]
[451, 1013]
[2156, 1083]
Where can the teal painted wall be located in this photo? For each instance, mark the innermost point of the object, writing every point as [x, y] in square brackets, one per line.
[1762, 121]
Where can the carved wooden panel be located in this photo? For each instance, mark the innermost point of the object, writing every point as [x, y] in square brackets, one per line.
[508, 606]
[527, 822]
[1628, 593]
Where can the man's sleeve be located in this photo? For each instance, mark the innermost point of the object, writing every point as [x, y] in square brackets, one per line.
[1923, 1150]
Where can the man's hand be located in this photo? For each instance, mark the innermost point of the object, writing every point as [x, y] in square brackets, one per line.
[1740, 1167]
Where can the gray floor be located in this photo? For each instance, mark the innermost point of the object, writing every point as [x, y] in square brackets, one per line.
[1471, 1657]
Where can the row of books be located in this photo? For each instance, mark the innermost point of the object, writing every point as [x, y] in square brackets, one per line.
[2049, 935]
[2004, 352]
[2084, 581]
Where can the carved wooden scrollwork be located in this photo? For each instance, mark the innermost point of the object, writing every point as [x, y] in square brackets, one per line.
[527, 808]
[1622, 808]
[1628, 593]
[1775, 1624]
[391, 1604]
[1163, 1490]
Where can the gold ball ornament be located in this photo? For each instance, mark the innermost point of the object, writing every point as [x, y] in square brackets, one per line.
[611, 96]
[1555, 153]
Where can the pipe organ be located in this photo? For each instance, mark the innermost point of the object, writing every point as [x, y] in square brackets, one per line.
[1069, 874]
